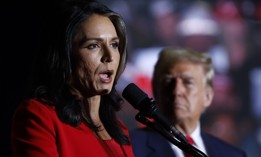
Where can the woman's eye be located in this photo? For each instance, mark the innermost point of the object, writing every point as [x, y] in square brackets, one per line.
[92, 46]
[115, 45]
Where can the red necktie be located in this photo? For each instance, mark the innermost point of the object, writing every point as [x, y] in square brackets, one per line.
[191, 141]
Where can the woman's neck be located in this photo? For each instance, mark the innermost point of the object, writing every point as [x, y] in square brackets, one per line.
[94, 106]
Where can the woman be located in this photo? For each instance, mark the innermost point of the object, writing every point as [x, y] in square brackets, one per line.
[73, 109]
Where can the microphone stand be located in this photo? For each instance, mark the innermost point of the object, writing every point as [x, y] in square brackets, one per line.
[183, 145]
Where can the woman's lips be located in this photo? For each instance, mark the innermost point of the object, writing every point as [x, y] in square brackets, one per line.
[106, 77]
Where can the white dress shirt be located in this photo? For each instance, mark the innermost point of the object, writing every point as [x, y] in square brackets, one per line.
[196, 136]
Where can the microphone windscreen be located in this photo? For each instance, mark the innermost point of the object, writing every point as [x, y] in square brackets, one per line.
[134, 95]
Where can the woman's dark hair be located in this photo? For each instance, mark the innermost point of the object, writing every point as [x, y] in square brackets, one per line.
[54, 67]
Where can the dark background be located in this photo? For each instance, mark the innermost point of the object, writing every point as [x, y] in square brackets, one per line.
[20, 25]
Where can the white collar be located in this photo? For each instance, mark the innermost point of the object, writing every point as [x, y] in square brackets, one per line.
[196, 136]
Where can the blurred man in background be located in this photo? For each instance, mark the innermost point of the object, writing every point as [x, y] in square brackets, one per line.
[182, 86]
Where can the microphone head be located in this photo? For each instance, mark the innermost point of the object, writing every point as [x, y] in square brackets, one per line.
[134, 95]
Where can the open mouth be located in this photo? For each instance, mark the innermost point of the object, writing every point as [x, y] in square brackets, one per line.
[106, 76]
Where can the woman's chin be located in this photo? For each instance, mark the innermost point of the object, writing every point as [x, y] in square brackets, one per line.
[104, 91]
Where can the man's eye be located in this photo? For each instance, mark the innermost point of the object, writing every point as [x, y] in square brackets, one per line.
[189, 82]
[167, 82]
[168, 85]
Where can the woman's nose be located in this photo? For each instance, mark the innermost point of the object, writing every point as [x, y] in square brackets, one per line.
[107, 55]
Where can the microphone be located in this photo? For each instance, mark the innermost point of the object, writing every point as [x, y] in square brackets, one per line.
[148, 107]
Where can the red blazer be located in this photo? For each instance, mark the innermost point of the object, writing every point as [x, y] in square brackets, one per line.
[38, 132]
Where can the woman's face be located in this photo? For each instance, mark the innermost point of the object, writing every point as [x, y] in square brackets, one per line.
[96, 44]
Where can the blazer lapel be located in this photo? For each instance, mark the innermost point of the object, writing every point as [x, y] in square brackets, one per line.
[210, 146]
[159, 146]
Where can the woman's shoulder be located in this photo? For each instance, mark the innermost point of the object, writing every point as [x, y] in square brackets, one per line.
[35, 104]
[35, 107]
[36, 116]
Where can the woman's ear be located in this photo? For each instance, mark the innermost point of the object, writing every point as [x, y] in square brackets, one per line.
[209, 96]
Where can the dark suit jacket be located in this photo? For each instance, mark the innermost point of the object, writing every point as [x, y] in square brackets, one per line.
[148, 143]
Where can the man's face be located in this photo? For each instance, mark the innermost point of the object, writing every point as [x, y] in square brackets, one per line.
[184, 93]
